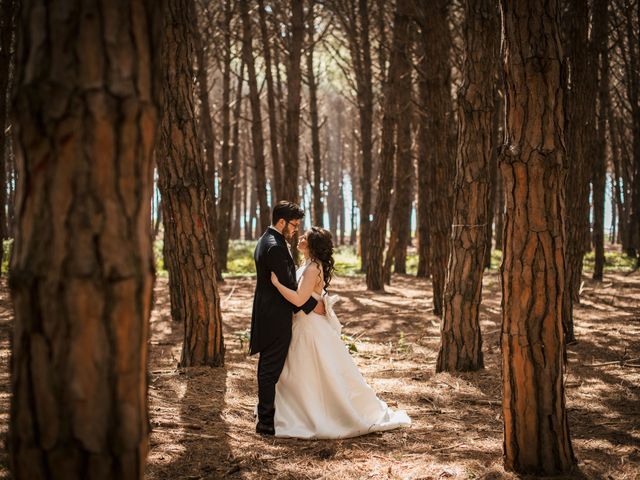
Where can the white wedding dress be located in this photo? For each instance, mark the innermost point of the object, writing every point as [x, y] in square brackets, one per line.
[321, 392]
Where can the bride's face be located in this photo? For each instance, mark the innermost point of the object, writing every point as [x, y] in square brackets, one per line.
[303, 246]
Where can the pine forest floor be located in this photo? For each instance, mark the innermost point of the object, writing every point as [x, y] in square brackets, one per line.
[203, 424]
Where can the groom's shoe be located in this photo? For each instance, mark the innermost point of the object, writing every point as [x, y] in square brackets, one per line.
[264, 429]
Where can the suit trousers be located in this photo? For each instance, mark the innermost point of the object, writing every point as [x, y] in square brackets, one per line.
[270, 367]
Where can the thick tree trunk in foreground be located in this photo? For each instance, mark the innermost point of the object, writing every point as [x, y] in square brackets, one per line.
[400, 64]
[82, 269]
[536, 430]
[461, 342]
[188, 246]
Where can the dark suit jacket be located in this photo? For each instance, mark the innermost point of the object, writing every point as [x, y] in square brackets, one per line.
[272, 313]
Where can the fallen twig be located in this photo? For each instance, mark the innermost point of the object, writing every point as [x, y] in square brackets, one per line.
[447, 448]
[622, 363]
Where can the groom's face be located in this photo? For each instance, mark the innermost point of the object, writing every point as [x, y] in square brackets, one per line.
[290, 229]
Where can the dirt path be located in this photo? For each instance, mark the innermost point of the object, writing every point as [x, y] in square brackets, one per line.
[202, 418]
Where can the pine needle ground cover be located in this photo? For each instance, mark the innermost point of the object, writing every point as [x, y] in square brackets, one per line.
[202, 418]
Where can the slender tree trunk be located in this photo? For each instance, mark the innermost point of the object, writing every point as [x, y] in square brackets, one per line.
[424, 169]
[404, 171]
[536, 430]
[461, 342]
[271, 103]
[365, 111]
[399, 66]
[206, 133]
[227, 180]
[436, 40]
[189, 248]
[633, 94]
[580, 125]
[382, 42]
[82, 271]
[499, 214]
[294, 85]
[601, 53]
[256, 117]
[7, 26]
[318, 210]
[493, 177]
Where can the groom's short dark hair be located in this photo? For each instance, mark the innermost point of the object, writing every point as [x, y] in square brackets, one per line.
[287, 211]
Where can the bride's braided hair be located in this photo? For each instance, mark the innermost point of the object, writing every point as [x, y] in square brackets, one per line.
[321, 251]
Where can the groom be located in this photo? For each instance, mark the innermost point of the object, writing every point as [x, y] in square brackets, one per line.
[272, 314]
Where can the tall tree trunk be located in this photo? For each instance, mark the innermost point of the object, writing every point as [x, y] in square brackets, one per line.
[361, 54]
[399, 66]
[461, 342]
[424, 168]
[436, 40]
[318, 210]
[7, 26]
[493, 176]
[404, 171]
[271, 103]
[499, 214]
[189, 248]
[294, 86]
[633, 95]
[536, 430]
[206, 133]
[82, 276]
[227, 181]
[256, 117]
[580, 125]
[600, 48]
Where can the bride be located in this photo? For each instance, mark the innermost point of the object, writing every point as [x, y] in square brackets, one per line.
[321, 392]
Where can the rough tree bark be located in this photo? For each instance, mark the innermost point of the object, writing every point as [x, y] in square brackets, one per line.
[81, 277]
[188, 247]
[256, 117]
[461, 341]
[436, 38]
[536, 430]
[399, 65]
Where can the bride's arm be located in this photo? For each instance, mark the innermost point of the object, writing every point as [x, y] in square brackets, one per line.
[306, 286]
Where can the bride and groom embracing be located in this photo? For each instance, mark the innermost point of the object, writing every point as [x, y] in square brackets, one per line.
[308, 384]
